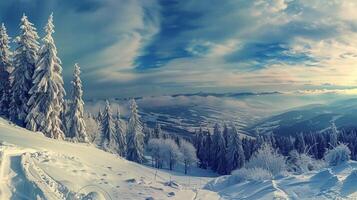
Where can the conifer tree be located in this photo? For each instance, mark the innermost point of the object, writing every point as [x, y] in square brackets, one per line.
[120, 134]
[108, 131]
[24, 61]
[5, 69]
[100, 116]
[235, 154]
[300, 143]
[221, 152]
[226, 134]
[76, 124]
[47, 91]
[135, 136]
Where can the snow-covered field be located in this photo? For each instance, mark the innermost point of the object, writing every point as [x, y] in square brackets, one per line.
[338, 182]
[33, 166]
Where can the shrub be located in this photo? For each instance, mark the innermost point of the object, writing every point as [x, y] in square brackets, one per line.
[269, 159]
[301, 163]
[338, 155]
[252, 174]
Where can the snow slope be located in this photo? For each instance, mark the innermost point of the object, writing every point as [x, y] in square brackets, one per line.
[33, 166]
[338, 182]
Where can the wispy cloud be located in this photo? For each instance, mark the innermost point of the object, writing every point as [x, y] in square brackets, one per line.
[132, 48]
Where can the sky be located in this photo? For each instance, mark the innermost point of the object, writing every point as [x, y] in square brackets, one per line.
[153, 47]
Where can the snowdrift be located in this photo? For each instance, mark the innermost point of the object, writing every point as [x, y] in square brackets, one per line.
[338, 182]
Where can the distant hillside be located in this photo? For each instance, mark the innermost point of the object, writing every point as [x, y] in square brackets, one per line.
[310, 118]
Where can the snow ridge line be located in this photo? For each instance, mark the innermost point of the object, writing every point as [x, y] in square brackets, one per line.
[51, 188]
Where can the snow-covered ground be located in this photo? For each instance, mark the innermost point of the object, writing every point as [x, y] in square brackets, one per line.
[33, 166]
[338, 182]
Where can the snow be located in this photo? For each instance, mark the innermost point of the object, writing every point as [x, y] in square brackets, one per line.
[337, 182]
[33, 166]
[45, 168]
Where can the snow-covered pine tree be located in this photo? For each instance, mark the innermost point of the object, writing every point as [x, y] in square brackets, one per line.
[25, 58]
[235, 154]
[76, 124]
[217, 133]
[226, 133]
[47, 92]
[64, 117]
[202, 153]
[208, 147]
[120, 134]
[221, 152]
[5, 70]
[100, 116]
[108, 130]
[135, 136]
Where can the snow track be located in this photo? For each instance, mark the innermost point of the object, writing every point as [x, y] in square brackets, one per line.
[22, 179]
[14, 184]
[51, 188]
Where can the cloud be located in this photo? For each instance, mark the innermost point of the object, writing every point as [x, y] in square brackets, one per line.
[136, 48]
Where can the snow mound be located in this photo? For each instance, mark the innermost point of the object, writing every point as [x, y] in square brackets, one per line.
[349, 186]
[338, 182]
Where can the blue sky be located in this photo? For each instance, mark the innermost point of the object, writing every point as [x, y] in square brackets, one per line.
[151, 47]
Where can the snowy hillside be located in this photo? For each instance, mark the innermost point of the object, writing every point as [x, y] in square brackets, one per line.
[36, 166]
[332, 183]
[184, 113]
[312, 118]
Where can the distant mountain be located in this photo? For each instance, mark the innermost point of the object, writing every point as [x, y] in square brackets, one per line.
[266, 112]
[183, 114]
[311, 118]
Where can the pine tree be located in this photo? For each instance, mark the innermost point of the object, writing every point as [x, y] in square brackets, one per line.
[76, 125]
[47, 91]
[25, 58]
[208, 149]
[219, 151]
[135, 136]
[5, 69]
[300, 143]
[65, 118]
[201, 154]
[226, 134]
[108, 131]
[120, 134]
[321, 145]
[235, 154]
[100, 116]
[221, 161]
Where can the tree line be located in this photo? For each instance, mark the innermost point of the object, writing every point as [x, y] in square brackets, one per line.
[32, 95]
[225, 149]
